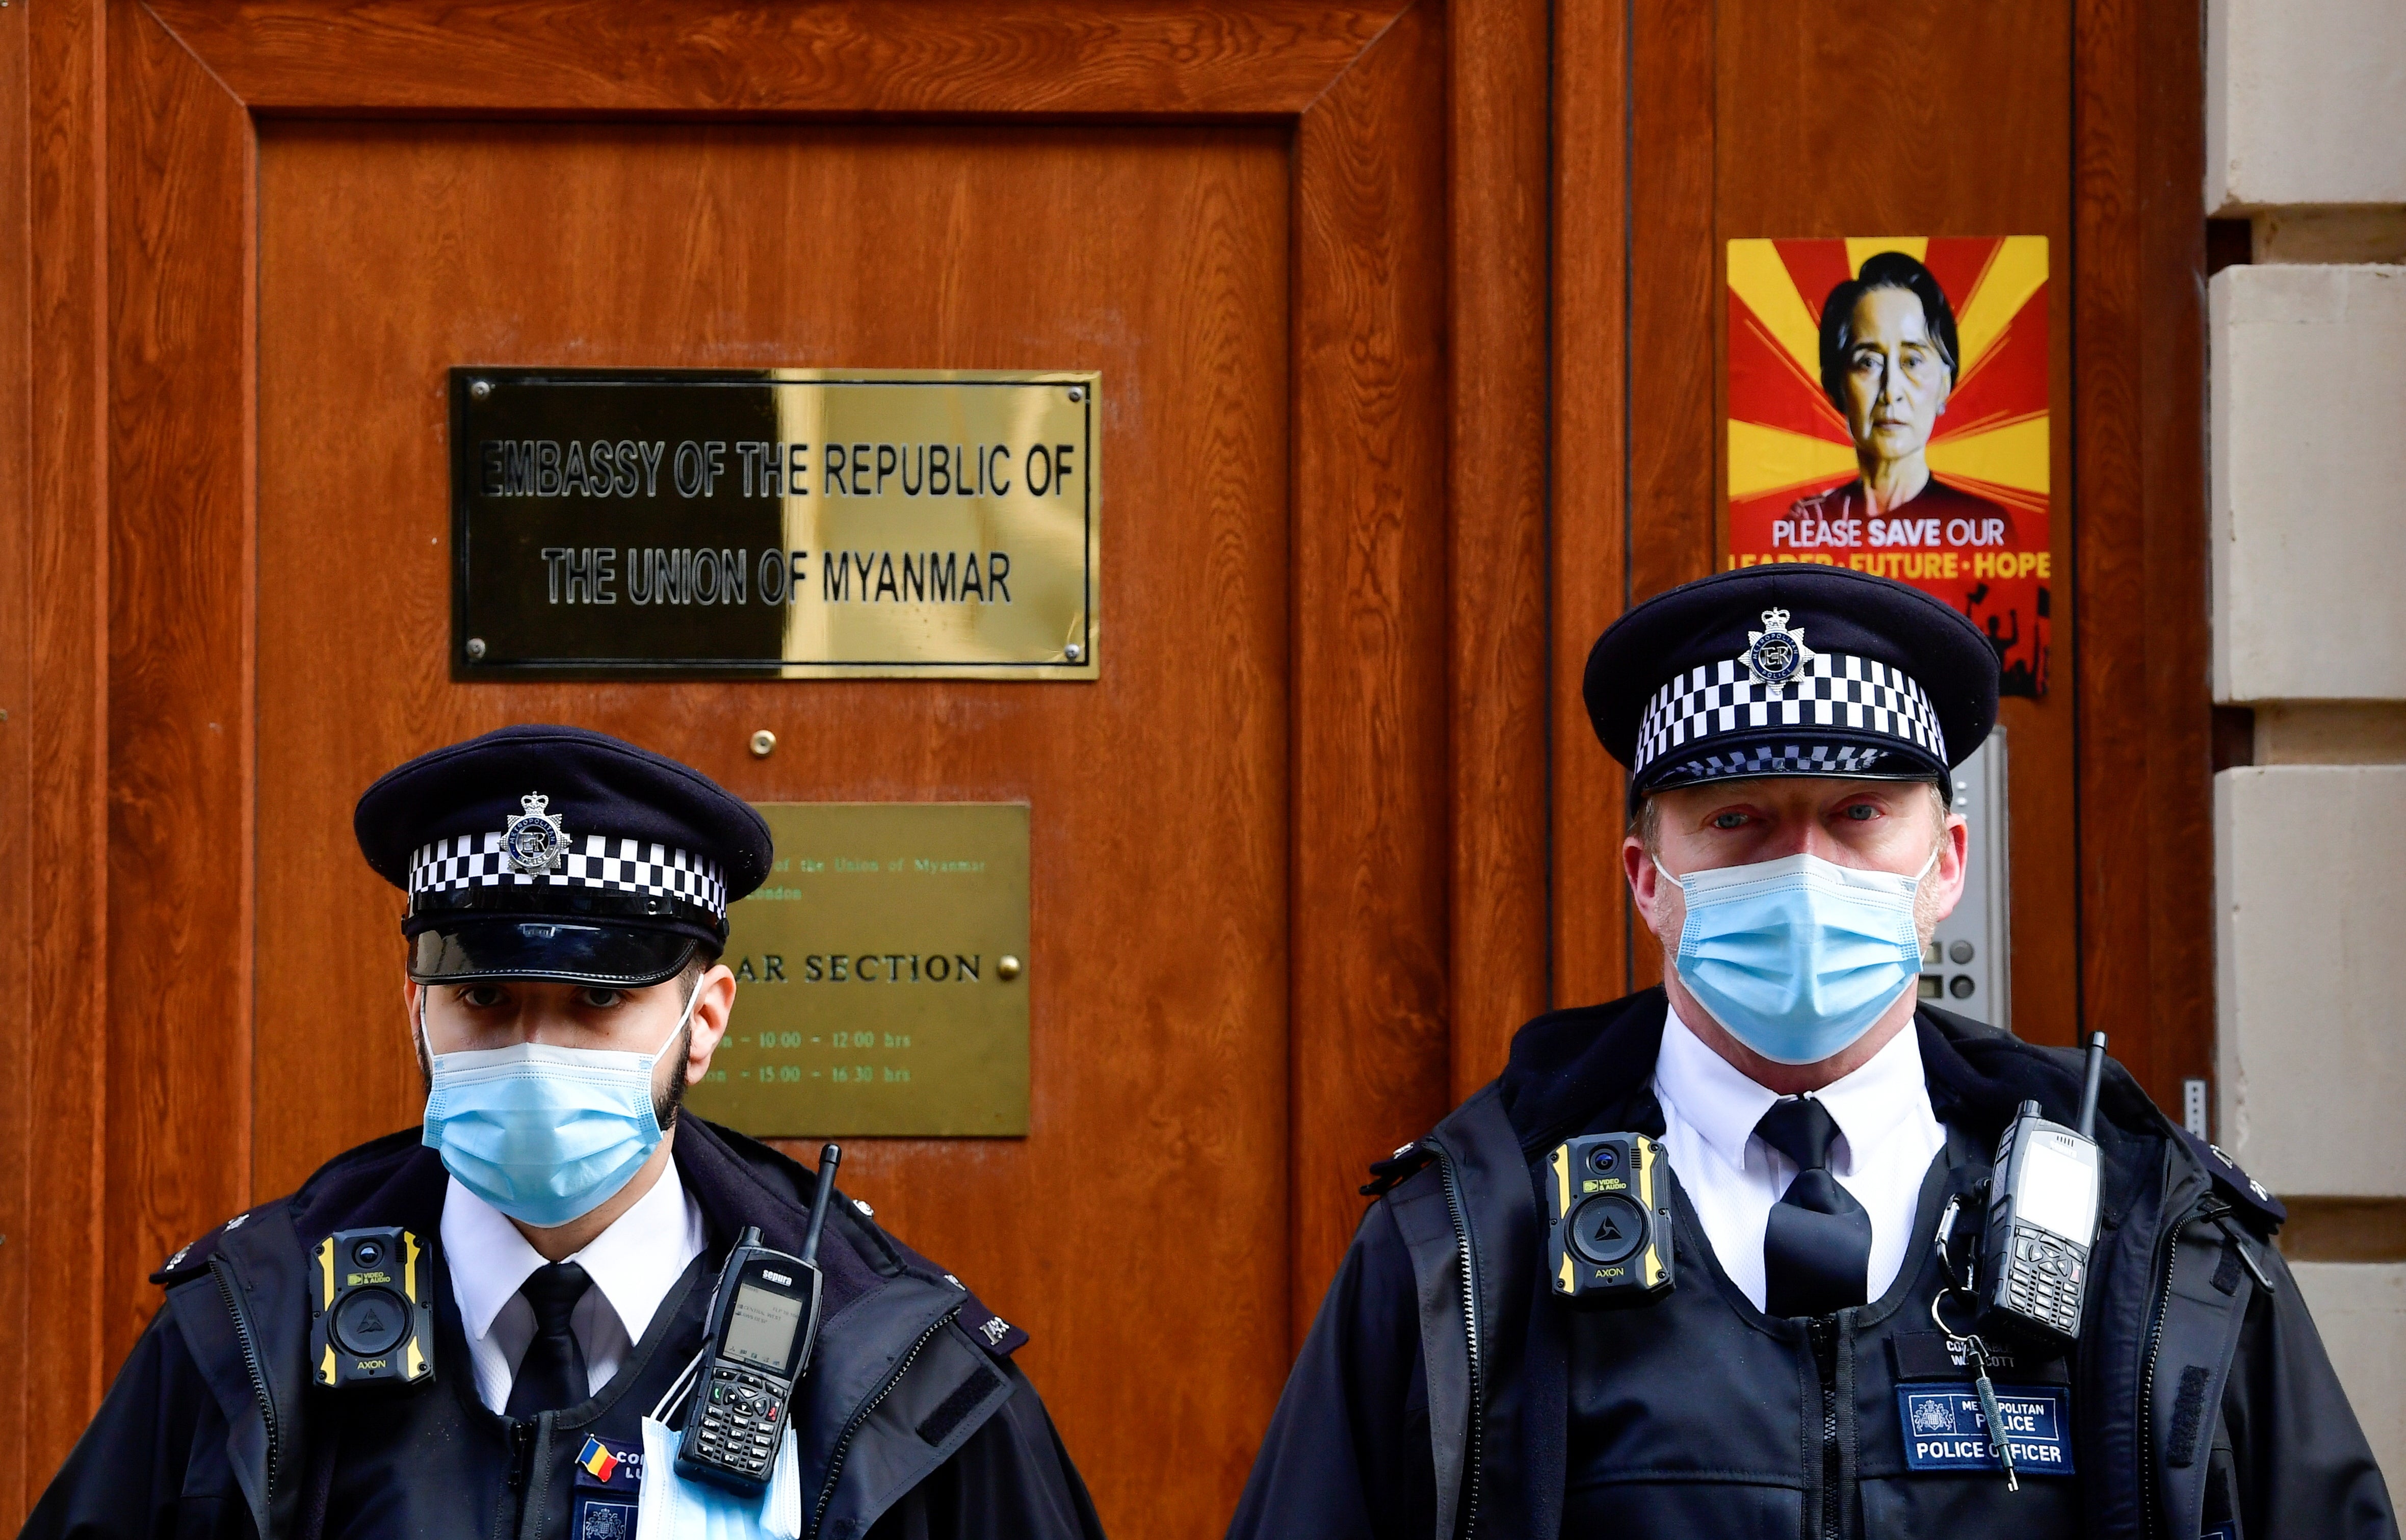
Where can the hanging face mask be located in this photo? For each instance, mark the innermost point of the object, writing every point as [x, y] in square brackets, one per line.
[674, 1508]
[545, 1134]
[1797, 958]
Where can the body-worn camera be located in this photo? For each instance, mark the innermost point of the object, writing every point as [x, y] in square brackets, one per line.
[1608, 1221]
[372, 1313]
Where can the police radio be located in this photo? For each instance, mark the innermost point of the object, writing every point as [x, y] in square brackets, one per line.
[2041, 1223]
[372, 1312]
[764, 1321]
[1608, 1221]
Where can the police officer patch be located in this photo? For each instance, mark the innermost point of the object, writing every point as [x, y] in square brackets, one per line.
[609, 1487]
[1945, 1430]
[597, 1520]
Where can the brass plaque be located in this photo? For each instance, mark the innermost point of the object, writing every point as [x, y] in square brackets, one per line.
[776, 523]
[882, 975]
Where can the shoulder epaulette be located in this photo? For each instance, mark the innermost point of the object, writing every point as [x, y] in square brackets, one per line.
[996, 1335]
[999, 1337]
[2252, 1197]
[192, 1259]
[1389, 1173]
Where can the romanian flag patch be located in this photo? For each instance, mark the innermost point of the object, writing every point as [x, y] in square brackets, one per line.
[597, 1459]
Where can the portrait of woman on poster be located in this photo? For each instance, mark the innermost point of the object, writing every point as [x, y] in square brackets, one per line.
[1888, 364]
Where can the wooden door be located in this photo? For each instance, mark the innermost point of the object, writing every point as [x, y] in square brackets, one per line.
[1681, 127]
[1287, 853]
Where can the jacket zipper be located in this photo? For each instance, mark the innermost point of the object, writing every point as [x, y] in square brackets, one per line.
[223, 1272]
[843, 1440]
[513, 1495]
[2158, 1308]
[1475, 1475]
[1825, 1364]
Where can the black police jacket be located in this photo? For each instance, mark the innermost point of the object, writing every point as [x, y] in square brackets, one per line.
[1433, 1396]
[910, 1424]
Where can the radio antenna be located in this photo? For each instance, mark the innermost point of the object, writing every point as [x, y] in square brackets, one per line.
[830, 1154]
[2089, 1084]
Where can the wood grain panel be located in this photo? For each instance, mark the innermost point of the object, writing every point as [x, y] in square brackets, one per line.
[1371, 1055]
[17, 919]
[1499, 218]
[17, 929]
[1152, 1186]
[1591, 529]
[1671, 323]
[180, 729]
[1149, 58]
[2146, 875]
[1798, 156]
[57, 1344]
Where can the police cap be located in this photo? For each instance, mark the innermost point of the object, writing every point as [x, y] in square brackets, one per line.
[1790, 669]
[554, 853]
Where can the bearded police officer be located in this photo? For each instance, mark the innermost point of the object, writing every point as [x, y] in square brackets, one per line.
[568, 897]
[1790, 733]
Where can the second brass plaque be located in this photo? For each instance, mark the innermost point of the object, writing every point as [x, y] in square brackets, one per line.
[882, 975]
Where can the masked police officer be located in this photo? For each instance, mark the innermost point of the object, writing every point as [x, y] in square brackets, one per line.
[1789, 734]
[568, 896]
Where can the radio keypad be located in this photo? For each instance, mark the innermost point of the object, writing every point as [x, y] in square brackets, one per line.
[740, 1427]
[2045, 1278]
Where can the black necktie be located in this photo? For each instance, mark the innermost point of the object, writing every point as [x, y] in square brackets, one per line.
[1817, 1250]
[552, 1373]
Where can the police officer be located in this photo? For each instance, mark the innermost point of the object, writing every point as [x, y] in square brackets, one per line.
[1789, 734]
[567, 903]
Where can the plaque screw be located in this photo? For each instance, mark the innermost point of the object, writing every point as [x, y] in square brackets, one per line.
[480, 388]
[764, 743]
[1073, 652]
[1077, 394]
[475, 647]
[1007, 966]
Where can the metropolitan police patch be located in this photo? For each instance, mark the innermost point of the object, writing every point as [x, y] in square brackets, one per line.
[1945, 1430]
[596, 1520]
[609, 1487]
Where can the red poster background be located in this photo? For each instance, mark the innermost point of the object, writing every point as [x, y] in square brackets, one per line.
[1979, 537]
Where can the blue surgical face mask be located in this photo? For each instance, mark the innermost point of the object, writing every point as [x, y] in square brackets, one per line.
[1798, 957]
[545, 1134]
[674, 1508]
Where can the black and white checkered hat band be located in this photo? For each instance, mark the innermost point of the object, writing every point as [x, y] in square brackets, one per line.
[595, 861]
[1830, 690]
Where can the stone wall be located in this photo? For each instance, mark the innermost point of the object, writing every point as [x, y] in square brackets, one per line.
[2306, 141]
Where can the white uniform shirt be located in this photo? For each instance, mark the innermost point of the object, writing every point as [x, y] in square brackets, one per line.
[1887, 1137]
[634, 1264]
